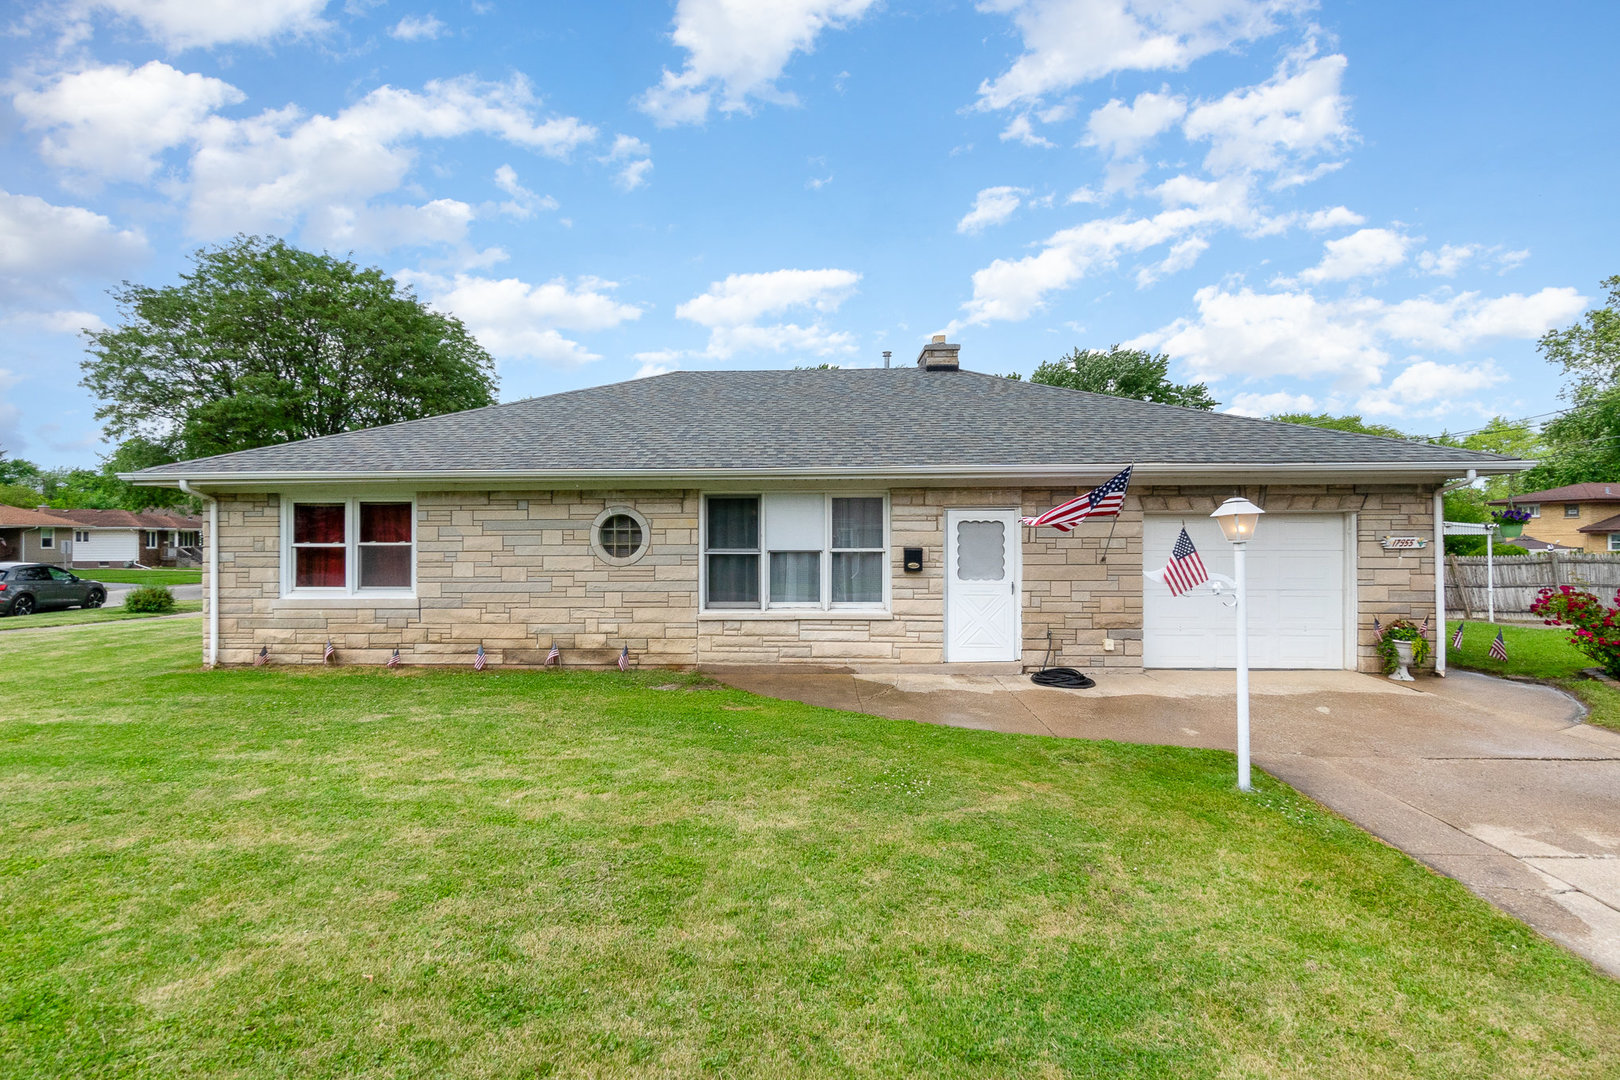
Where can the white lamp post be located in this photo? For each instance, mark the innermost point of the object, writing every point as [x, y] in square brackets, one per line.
[1238, 518]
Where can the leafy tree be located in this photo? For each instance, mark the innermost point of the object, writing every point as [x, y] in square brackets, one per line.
[19, 495]
[1339, 423]
[1121, 372]
[1584, 444]
[262, 343]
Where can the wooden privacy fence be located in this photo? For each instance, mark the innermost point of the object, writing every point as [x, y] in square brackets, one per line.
[1520, 577]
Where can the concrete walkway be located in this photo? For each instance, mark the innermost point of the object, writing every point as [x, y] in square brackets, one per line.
[1497, 784]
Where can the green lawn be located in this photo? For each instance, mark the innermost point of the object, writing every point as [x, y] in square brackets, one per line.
[1538, 652]
[272, 872]
[115, 575]
[74, 616]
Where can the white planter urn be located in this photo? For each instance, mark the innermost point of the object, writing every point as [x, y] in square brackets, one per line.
[1403, 660]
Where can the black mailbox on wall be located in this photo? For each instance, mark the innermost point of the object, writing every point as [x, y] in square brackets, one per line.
[913, 560]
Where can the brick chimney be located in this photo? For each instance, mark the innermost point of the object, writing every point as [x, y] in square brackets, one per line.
[938, 356]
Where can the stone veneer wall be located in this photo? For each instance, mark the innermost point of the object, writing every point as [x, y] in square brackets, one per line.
[514, 571]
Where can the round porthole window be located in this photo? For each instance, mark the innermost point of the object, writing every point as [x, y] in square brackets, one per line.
[619, 535]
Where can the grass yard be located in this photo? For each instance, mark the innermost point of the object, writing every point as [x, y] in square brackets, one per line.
[120, 576]
[75, 616]
[270, 872]
[1537, 652]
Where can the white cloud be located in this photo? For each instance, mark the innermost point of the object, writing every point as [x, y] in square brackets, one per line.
[733, 309]
[634, 158]
[1277, 402]
[515, 320]
[184, 24]
[992, 206]
[1019, 129]
[1120, 130]
[42, 243]
[1362, 253]
[418, 28]
[1337, 217]
[52, 322]
[1068, 42]
[272, 171]
[656, 362]
[523, 202]
[1014, 289]
[1255, 335]
[112, 122]
[736, 50]
[1426, 388]
[1296, 114]
[1448, 260]
[1182, 256]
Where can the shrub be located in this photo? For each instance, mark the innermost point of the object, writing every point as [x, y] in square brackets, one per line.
[150, 600]
[1596, 628]
[1402, 630]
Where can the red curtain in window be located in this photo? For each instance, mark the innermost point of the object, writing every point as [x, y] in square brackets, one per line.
[385, 523]
[318, 523]
[318, 568]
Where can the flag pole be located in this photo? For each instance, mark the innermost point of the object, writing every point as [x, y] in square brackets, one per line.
[1110, 540]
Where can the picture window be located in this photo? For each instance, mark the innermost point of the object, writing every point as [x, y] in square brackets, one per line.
[352, 545]
[795, 550]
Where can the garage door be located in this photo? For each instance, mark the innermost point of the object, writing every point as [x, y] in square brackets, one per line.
[1296, 595]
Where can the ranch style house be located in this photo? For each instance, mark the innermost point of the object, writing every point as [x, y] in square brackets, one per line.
[841, 519]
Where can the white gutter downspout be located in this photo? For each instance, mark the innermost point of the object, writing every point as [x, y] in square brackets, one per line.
[1441, 640]
[211, 654]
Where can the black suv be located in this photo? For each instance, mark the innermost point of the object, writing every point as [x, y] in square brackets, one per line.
[29, 587]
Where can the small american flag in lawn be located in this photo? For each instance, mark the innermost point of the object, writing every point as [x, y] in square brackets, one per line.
[554, 656]
[1186, 569]
[263, 658]
[1101, 501]
[1456, 639]
[393, 661]
[1499, 648]
[326, 657]
[479, 661]
[624, 658]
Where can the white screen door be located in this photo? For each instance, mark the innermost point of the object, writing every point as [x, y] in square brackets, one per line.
[981, 585]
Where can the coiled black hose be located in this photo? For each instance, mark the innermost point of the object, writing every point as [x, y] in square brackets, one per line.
[1061, 678]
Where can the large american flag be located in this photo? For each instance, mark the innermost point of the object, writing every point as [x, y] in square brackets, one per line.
[1101, 501]
[1186, 569]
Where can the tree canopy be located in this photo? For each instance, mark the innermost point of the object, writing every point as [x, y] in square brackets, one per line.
[1339, 423]
[263, 343]
[1584, 443]
[1121, 372]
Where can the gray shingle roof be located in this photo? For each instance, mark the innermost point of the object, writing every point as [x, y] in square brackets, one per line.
[899, 418]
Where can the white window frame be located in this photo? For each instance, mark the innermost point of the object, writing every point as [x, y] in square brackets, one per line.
[81, 536]
[1614, 541]
[181, 535]
[790, 610]
[1572, 506]
[150, 540]
[1535, 509]
[47, 536]
[351, 546]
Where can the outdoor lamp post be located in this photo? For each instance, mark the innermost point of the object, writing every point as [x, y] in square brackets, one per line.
[1238, 518]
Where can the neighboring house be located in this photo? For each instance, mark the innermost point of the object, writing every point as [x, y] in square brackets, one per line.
[842, 518]
[1577, 517]
[121, 537]
[33, 535]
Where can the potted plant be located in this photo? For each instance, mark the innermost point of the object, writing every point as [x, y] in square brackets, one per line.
[1510, 522]
[1401, 645]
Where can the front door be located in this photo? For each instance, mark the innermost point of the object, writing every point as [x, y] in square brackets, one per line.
[981, 585]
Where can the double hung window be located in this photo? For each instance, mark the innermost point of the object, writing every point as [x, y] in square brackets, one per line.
[794, 550]
[350, 545]
[47, 538]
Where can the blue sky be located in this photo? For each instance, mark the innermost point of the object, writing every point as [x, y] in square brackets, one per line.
[1369, 207]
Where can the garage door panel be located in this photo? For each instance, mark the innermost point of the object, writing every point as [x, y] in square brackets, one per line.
[1296, 596]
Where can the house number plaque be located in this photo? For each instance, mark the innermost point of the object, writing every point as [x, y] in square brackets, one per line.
[1404, 543]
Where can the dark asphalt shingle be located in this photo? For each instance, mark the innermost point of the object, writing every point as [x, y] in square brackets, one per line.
[835, 419]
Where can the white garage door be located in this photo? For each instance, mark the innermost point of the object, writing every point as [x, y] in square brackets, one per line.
[1296, 595]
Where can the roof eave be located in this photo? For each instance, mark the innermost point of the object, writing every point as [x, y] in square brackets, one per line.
[1260, 472]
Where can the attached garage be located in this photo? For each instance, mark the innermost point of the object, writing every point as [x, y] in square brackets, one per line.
[1301, 593]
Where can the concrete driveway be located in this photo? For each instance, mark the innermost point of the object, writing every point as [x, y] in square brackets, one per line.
[116, 592]
[1497, 784]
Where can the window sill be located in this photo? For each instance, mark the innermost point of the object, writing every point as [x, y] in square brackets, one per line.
[792, 614]
[348, 600]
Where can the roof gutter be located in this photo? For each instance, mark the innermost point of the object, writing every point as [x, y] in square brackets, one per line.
[1062, 473]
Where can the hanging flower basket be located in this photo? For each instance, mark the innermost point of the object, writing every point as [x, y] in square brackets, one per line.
[1510, 522]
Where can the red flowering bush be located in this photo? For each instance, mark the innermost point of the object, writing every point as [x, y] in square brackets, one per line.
[1595, 629]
